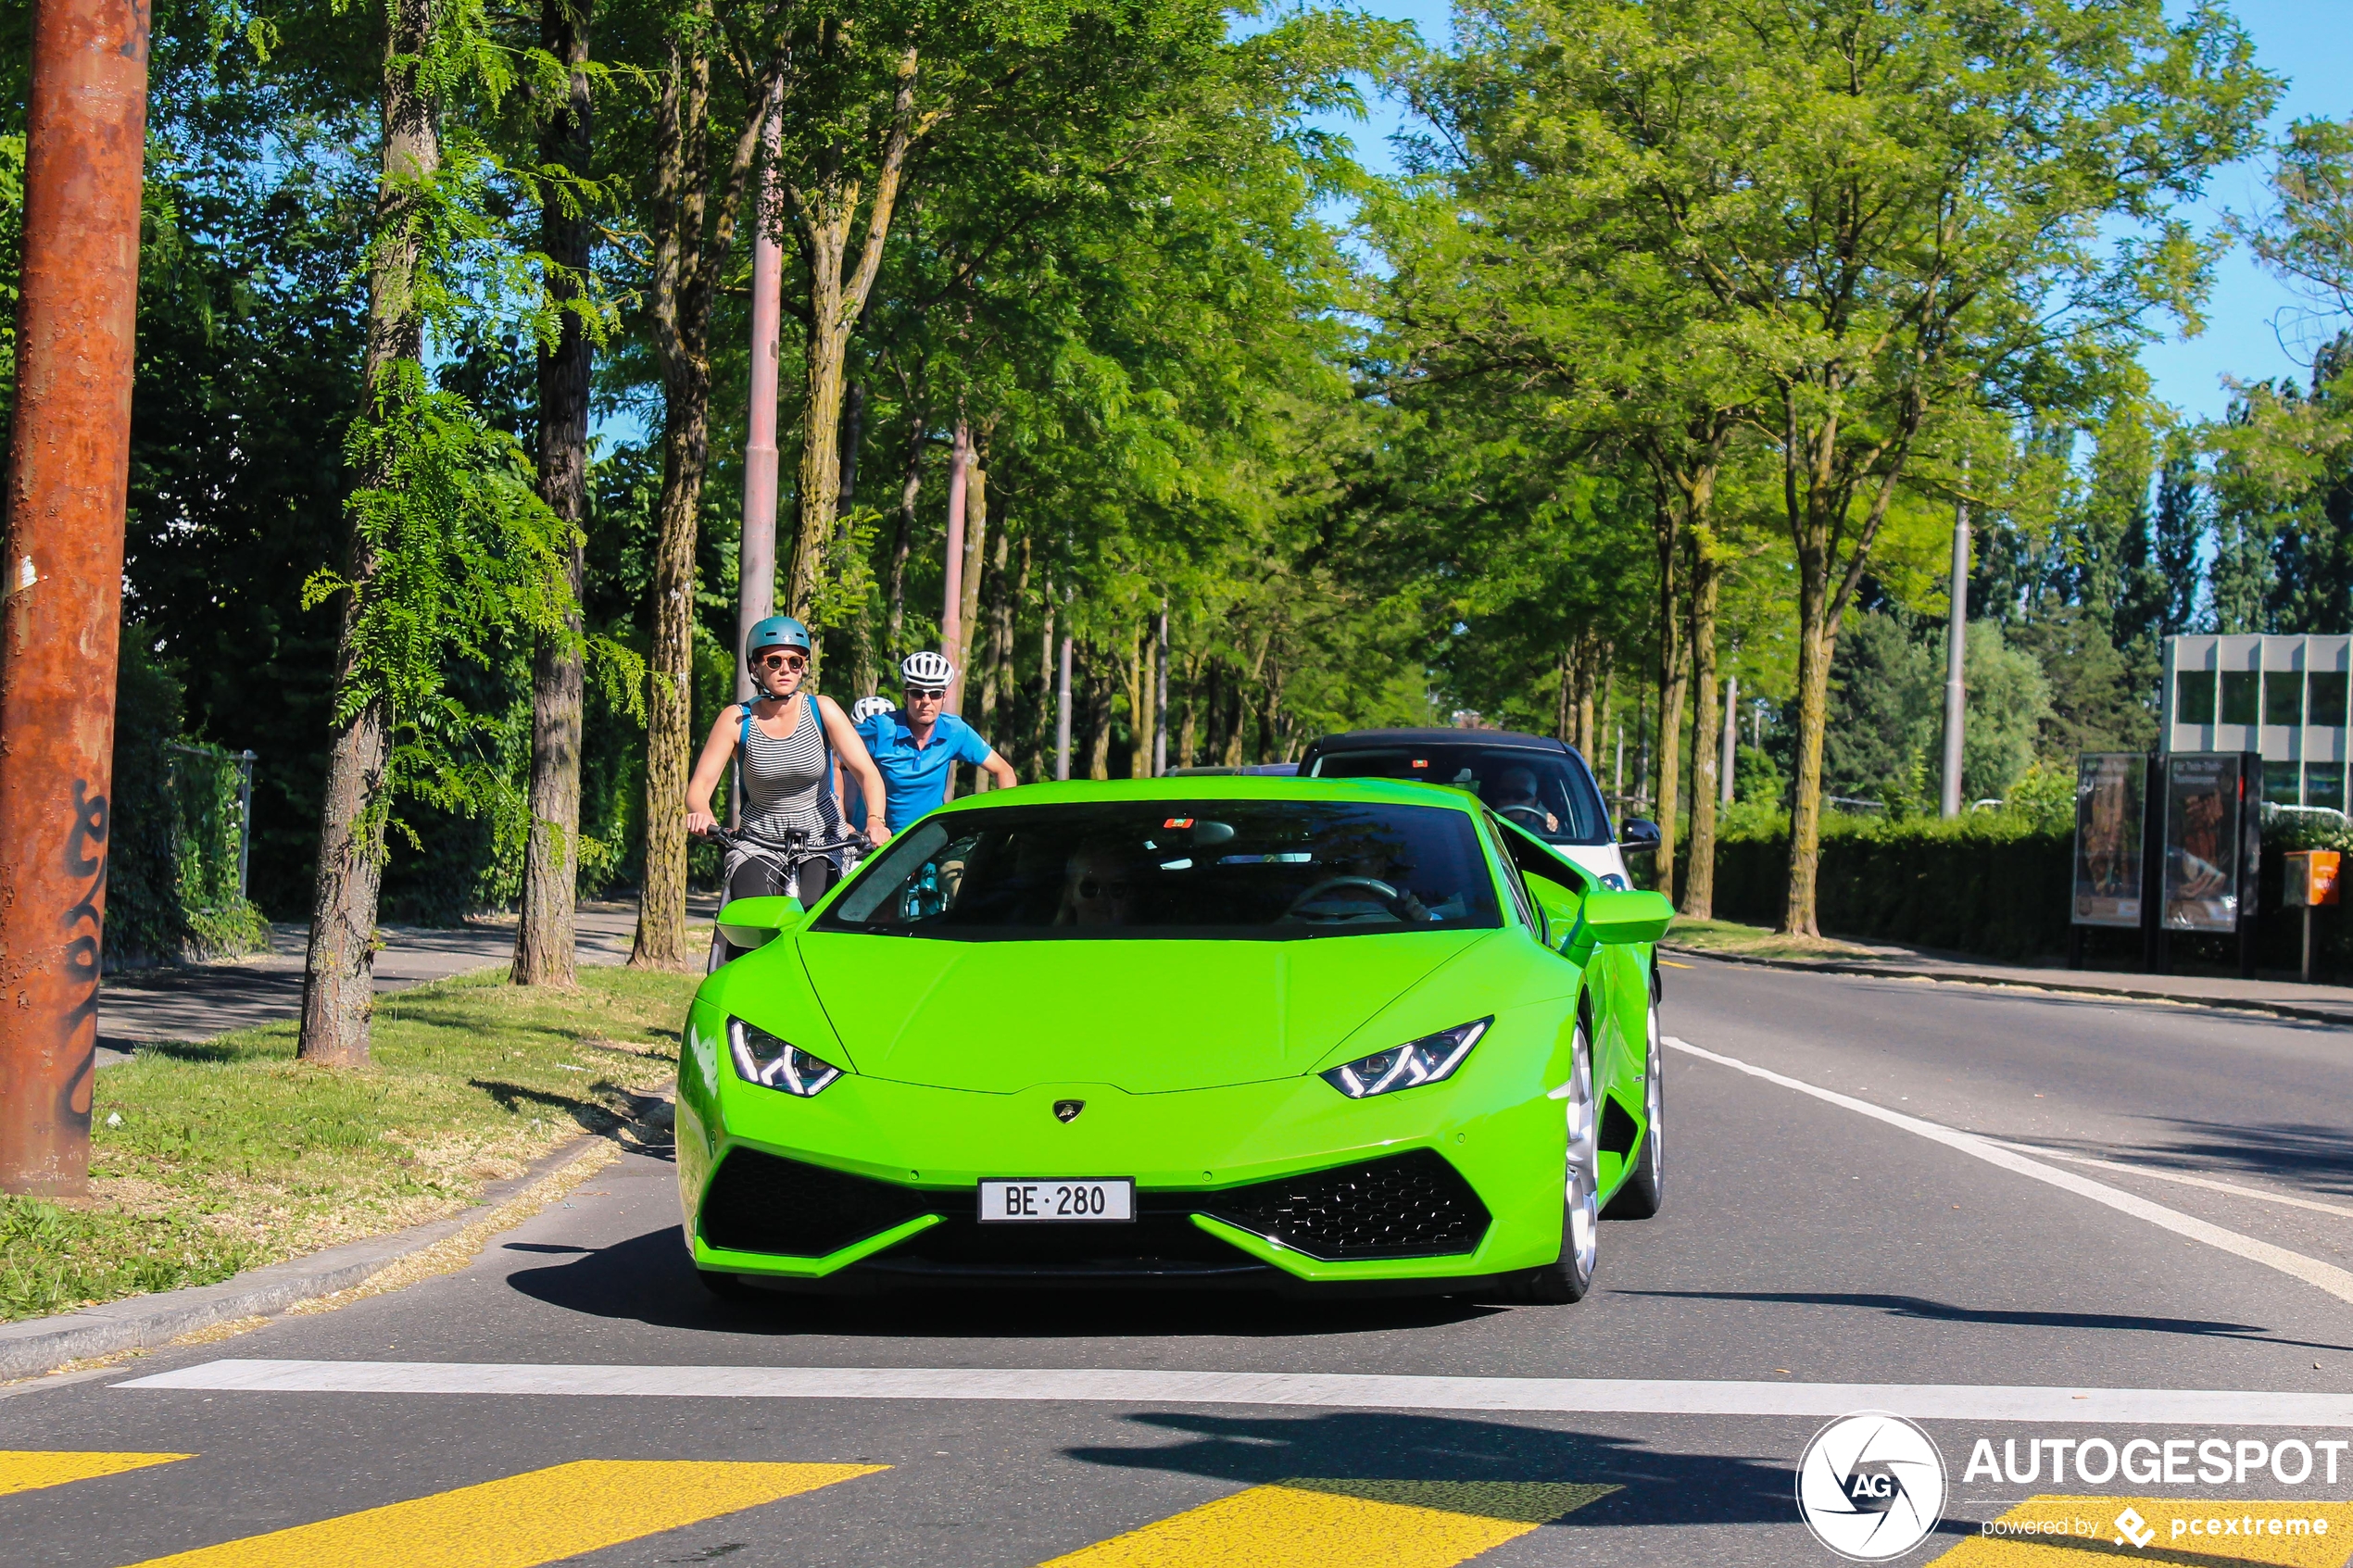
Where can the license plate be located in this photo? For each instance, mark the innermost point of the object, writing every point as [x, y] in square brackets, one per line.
[1054, 1201]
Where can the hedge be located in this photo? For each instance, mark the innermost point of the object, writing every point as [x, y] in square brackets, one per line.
[1993, 883]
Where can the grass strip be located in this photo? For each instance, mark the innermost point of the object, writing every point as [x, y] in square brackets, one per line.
[209, 1158]
[1756, 941]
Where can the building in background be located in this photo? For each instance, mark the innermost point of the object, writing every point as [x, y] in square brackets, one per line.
[2283, 696]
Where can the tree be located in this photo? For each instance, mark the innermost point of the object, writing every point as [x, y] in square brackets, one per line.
[1896, 211]
[697, 201]
[544, 933]
[446, 545]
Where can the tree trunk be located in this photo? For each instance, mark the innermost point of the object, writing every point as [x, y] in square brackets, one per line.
[338, 982]
[1140, 706]
[1815, 645]
[1564, 710]
[975, 546]
[687, 264]
[1099, 698]
[861, 628]
[1588, 656]
[1671, 675]
[997, 647]
[823, 211]
[1188, 727]
[1230, 754]
[544, 935]
[1708, 737]
[902, 542]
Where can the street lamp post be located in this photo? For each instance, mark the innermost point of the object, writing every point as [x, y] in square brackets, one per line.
[1956, 657]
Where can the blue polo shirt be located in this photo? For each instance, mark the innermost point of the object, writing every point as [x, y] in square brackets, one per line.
[916, 778]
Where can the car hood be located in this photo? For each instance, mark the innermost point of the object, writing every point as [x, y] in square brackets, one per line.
[1145, 1016]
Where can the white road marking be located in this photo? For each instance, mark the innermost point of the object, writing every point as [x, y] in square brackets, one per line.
[2311, 1271]
[2185, 1179]
[1927, 1401]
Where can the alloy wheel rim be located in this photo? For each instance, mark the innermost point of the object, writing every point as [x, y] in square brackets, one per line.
[1655, 1102]
[1583, 1190]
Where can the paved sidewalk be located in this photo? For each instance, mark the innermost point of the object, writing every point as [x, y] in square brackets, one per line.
[2284, 996]
[202, 1000]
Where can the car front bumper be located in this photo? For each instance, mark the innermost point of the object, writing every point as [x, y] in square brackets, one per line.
[1284, 1184]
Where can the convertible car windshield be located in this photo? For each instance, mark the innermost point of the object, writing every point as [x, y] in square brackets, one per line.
[1174, 870]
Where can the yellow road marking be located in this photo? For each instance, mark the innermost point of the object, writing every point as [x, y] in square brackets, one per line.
[1672, 964]
[24, 1472]
[1315, 1523]
[541, 1516]
[2191, 1530]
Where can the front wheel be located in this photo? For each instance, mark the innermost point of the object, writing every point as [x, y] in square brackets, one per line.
[1645, 1186]
[1569, 1278]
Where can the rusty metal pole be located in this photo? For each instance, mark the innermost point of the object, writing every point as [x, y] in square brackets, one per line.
[61, 572]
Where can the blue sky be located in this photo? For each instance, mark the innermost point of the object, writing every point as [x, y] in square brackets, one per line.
[2309, 42]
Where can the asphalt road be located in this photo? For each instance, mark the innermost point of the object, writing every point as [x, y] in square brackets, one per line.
[1806, 1245]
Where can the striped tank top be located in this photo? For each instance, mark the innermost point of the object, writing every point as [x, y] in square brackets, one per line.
[786, 783]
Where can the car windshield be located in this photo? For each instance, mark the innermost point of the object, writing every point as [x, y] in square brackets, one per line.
[1546, 792]
[1252, 870]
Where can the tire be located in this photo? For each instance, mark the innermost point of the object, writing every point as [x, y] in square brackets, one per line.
[1572, 1276]
[1642, 1191]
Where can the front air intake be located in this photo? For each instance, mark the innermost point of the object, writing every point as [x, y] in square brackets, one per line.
[1404, 1206]
[761, 1203]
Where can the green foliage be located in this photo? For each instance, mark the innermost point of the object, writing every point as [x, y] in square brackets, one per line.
[172, 855]
[459, 552]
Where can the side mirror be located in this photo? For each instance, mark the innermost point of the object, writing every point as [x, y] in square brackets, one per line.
[1637, 834]
[1615, 917]
[755, 922]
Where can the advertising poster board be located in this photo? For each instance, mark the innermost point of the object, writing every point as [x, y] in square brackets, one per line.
[2110, 824]
[2204, 852]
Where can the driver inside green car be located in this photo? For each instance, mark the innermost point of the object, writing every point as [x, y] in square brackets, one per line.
[1515, 791]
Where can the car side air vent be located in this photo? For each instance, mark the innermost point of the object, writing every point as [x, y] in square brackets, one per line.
[1404, 1206]
[760, 1203]
[1619, 1132]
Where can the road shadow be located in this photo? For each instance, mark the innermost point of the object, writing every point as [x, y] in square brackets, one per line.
[2315, 1157]
[1921, 1309]
[1658, 1486]
[650, 1279]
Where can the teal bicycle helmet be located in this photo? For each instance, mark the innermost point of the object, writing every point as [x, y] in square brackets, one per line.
[776, 631]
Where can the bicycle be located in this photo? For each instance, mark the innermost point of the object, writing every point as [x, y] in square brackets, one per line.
[785, 857]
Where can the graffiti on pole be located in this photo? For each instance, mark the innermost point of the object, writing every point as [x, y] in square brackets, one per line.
[85, 861]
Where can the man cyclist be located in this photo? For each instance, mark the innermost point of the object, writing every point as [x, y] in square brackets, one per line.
[916, 746]
[786, 743]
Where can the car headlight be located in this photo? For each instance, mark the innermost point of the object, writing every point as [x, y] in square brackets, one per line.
[762, 1059]
[1425, 1060]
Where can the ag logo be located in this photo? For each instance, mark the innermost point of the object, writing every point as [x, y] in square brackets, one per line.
[1872, 1487]
[1068, 1109]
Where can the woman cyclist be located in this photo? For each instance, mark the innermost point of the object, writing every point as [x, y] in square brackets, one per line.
[787, 741]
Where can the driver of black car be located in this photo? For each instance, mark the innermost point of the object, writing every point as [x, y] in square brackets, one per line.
[1516, 797]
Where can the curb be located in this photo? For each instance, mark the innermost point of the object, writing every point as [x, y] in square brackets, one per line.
[39, 1344]
[1949, 977]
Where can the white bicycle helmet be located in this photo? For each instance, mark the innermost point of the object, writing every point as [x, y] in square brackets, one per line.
[867, 707]
[926, 669]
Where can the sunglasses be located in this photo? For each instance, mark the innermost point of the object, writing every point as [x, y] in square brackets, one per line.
[1090, 888]
[926, 694]
[781, 661]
